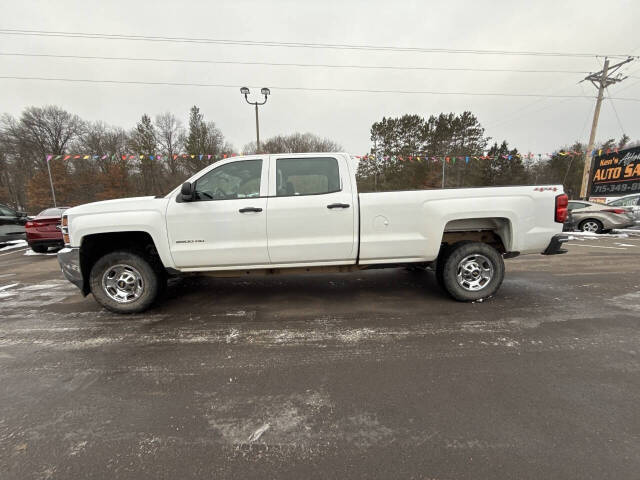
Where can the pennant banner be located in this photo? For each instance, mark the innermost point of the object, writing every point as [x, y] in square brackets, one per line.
[467, 158]
[417, 157]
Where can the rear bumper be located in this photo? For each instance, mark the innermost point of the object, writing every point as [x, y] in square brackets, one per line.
[69, 260]
[49, 242]
[555, 245]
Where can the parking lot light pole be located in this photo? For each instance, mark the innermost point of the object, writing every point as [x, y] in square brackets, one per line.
[266, 92]
[53, 193]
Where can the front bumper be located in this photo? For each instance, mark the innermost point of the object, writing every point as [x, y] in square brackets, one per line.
[69, 260]
[554, 247]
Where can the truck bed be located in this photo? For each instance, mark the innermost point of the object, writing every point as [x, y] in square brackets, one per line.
[407, 226]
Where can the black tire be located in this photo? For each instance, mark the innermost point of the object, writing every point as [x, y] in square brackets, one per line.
[150, 281]
[467, 250]
[39, 248]
[591, 222]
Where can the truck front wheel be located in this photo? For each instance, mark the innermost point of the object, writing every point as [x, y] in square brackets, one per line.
[125, 282]
[472, 271]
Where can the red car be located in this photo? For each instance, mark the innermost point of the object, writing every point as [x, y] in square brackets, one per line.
[43, 230]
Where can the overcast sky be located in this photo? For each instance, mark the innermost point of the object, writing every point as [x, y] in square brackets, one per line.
[530, 124]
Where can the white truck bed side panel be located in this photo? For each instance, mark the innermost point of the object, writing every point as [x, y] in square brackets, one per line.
[405, 226]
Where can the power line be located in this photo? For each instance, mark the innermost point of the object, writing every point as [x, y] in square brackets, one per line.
[265, 43]
[519, 112]
[277, 64]
[306, 89]
[615, 111]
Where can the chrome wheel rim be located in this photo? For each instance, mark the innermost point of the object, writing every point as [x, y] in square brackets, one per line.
[590, 227]
[122, 283]
[474, 272]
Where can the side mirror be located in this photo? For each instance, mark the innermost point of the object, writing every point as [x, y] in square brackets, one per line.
[22, 214]
[187, 191]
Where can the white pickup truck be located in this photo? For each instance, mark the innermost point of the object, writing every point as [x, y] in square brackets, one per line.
[296, 213]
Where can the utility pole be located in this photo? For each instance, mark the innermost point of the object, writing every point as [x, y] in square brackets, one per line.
[600, 80]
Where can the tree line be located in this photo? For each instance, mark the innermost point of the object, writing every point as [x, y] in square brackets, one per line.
[26, 141]
[460, 135]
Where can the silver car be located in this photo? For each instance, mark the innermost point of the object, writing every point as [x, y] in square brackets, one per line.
[628, 201]
[598, 217]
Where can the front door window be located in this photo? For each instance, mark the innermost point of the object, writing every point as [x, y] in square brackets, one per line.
[230, 181]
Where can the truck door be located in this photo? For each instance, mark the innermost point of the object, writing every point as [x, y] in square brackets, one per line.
[225, 226]
[312, 210]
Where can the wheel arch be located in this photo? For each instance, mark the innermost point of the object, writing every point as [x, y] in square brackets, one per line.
[495, 231]
[93, 246]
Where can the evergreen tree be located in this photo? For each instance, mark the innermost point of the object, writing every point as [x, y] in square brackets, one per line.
[143, 143]
[204, 139]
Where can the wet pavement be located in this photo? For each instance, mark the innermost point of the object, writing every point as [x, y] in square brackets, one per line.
[366, 375]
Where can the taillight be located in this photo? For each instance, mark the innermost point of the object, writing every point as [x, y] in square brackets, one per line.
[562, 212]
[614, 210]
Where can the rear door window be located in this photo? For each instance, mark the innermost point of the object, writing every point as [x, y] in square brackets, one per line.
[307, 176]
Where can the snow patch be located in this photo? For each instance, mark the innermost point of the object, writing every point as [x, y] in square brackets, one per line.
[628, 301]
[258, 433]
[13, 244]
[31, 253]
[232, 335]
[631, 231]
[597, 236]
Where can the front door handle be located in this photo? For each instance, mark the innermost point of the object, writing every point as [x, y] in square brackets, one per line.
[250, 209]
[338, 205]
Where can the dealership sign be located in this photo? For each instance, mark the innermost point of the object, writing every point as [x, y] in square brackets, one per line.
[616, 173]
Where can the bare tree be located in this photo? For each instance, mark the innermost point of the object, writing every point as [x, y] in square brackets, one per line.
[294, 143]
[49, 130]
[39, 132]
[103, 142]
[171, 138]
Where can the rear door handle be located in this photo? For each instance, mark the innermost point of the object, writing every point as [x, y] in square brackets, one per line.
[338, 205]
[250, 209]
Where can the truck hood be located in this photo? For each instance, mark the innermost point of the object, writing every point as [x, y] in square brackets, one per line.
[118, 205]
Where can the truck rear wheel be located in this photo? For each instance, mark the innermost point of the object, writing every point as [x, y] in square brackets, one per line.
[472, 270]
[125, 282]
